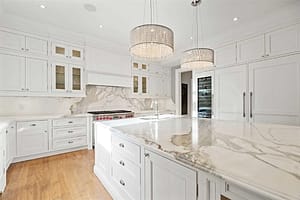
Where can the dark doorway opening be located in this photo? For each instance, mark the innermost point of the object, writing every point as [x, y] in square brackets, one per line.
[184, 99]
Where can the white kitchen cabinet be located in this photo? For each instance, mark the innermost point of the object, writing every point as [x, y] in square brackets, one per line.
[226, 55]
[32, 138]
[36, 75]
[165, 179]
[12, 41]
[251, 49]
[231, 93]
[140, 84]
[282, 41]
[231, 191]
[12, 73]
[209, 186]
[274, 89]
[67, 51]
[2, 160]
[36, 45]
[67, 78]
[11, 145]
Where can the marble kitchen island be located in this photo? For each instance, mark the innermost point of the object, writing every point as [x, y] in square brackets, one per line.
[214, 159]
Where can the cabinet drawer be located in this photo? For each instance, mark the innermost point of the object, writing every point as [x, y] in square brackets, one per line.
[69, 143]
[32, 125]
[123, 180]
[69, 122]
[126, 148]
[234, 192]
[69, 132]
[126, 165]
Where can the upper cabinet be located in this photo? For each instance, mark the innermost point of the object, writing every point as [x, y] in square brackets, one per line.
[67, 78]
[27, 44]
[66, 51]
[226, 55]
[140, 66]
[251, 49]
[283, 41]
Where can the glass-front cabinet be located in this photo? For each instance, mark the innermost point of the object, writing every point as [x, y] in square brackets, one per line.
[67, 78]
[140, 84]
[67, 51]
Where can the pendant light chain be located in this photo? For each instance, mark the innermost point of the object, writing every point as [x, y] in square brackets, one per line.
[197, 27]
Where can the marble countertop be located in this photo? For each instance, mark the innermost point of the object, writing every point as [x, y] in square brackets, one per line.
[263, 157]
[40, 117]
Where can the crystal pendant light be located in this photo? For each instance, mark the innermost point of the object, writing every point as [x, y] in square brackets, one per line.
[197, 58]
[151, 41]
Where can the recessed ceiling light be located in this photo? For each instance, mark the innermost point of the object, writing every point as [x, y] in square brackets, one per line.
[100, 26]
[235, 19]
[42, 6]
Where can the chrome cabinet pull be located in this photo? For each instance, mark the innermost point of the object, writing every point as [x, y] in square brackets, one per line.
[244, 96]
[33, 125]
[70, 122]
[251, 106]
[122, 182]
[70, 142]
[70, 131]
[121, 145]
[122, 163]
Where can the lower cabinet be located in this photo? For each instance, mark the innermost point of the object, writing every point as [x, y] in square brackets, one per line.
[32, 137]
[11, 143]
[165, 179]
[2, 160]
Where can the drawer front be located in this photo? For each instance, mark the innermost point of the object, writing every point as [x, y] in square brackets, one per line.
[126, 148]
[69, 143]
[69, 133]
[21, 126]
[130, 185]
[128, 166]
[69, 122]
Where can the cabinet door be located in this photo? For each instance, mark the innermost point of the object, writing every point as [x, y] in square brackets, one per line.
[36, 75]
[32, 138]
[135, 84]
[208, 186]
[36, 46]
[274, 90]
[76, 83]
[11, 145]
[251, 49]
[165, 179]
[283, 41]
[60, 77]
[2, 160]
[144, 84]
[12, 73]
[60, 50]
[12, 41]
[226, 55]
[231, 91]
[76, 53]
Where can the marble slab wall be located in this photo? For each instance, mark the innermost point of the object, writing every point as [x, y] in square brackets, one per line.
[116, 98]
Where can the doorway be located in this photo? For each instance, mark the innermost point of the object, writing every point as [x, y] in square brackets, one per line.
[184, 99]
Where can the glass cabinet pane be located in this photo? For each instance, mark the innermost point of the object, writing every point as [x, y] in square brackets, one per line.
[76, 53]
[76, 78]
[144, 85]
[144, 66]
[135, 84]
[60, 50]
[60, 75]
[135, 65]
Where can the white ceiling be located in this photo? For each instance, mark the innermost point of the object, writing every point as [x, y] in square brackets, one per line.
[119, 17]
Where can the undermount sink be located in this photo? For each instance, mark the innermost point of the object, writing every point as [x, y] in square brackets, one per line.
[159, 117]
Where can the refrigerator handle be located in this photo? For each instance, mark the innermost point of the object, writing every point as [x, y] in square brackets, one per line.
[251, 106]
[244, 99]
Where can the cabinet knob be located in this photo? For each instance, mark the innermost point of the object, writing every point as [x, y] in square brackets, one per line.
[22, 49]
[70, 131]
[122, 163]
[122, 182]
[121, 145]
[147, 155]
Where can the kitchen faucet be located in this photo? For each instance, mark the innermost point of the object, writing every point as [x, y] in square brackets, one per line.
[154, 105]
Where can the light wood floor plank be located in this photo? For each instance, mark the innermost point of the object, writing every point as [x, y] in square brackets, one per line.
[63, 177]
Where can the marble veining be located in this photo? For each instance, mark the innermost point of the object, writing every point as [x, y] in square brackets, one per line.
[263, 156]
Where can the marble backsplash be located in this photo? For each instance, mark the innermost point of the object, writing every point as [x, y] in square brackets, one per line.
[116, 98]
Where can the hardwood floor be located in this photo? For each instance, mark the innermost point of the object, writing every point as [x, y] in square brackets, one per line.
[63, 177]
